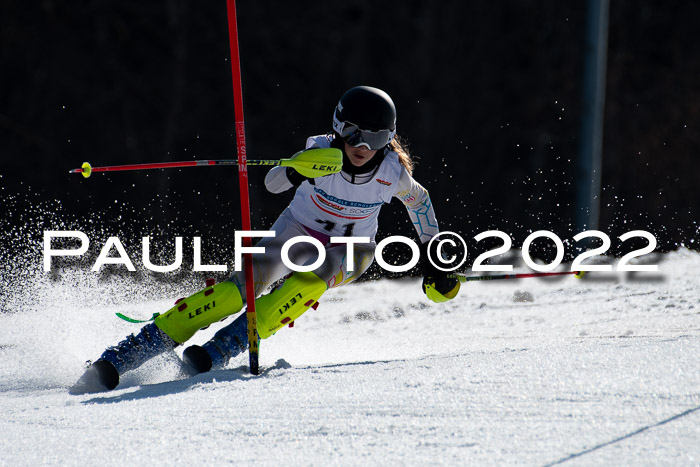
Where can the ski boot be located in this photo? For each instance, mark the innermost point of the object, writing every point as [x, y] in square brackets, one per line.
[227, 343]
[132, 352]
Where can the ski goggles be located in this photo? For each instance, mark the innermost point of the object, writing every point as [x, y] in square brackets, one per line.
[356, 137]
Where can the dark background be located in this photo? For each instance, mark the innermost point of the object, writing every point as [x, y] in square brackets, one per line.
[488, 94]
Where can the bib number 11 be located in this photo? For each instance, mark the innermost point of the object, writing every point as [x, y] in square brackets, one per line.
[330, 225]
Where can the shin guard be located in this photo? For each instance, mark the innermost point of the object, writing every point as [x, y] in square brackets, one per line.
[199, 310]
[288, 302]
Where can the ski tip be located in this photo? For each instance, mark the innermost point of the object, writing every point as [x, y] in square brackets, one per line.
[196, 360]
[579, 274]
[101, 376]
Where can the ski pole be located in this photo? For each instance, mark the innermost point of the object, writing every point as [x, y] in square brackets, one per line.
[463, 278]
[311, 163]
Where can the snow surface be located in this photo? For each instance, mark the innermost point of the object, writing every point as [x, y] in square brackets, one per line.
[603, 370]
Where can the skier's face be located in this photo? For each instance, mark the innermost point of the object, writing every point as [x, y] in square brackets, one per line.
[359, 156]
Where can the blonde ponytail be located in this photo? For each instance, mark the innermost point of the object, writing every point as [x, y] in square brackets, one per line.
[400, 147]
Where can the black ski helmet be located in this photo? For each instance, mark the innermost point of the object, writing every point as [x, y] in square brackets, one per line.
[369, 109]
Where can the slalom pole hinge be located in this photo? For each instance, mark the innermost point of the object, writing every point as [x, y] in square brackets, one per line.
[87, 169]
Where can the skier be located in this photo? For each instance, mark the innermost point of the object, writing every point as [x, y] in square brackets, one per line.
[376, 168]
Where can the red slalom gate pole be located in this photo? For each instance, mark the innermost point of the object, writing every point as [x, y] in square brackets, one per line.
[253, 349]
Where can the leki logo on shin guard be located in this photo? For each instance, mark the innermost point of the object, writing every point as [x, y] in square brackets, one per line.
[289, 304]
[202, 309]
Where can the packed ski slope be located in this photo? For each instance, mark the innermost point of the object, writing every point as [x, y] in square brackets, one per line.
[602, 371]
